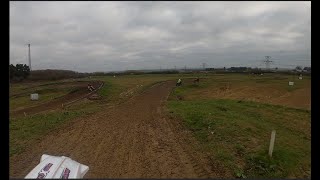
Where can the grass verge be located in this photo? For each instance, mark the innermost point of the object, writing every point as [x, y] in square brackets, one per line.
[237, 135]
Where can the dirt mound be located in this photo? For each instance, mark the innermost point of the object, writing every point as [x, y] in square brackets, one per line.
[134, 139]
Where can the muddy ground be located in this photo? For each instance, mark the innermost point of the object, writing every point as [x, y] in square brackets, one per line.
[135, 139]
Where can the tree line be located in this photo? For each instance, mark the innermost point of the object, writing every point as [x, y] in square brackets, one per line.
[18, 72]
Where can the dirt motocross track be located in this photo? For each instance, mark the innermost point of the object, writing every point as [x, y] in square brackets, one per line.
[80, 92]
[131, 140]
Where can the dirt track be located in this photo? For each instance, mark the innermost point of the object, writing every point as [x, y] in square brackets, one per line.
[132, 140]
[54, 104]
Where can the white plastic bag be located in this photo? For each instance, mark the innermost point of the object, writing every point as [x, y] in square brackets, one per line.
[55, 167]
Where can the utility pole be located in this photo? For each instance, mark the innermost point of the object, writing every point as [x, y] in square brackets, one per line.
[29, 56]
[185, 68]
[267, 62]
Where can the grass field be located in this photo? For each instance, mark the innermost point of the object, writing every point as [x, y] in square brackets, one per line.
[235, 127]
[272, 89]
[47, 90]
[231, 115]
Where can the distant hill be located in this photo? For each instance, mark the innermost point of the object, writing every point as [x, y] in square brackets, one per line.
[53, 74]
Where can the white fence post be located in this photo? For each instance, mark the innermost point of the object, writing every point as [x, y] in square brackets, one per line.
[273, 136]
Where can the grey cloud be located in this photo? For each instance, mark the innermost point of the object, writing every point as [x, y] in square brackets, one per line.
[107, 36]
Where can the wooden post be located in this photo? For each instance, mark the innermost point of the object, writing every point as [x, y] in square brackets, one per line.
[273, 136]
[24, 114]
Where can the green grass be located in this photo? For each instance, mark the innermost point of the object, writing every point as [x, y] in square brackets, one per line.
[24, 130]
[237, 133]
[24, 101]
[20, 93]
[111, 91]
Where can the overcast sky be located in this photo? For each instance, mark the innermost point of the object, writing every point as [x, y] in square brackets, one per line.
[110, 36]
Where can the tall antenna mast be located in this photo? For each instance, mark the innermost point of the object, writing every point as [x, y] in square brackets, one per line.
[29, 55]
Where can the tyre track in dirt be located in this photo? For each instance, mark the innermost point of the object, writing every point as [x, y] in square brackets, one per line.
[132, 140]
